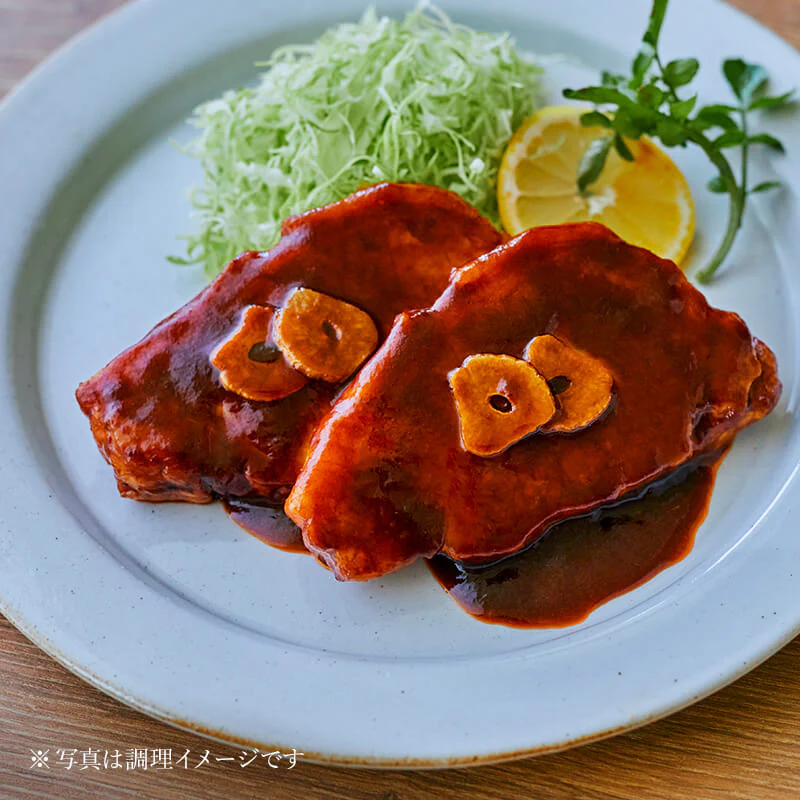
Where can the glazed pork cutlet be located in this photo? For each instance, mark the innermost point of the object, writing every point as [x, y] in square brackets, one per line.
[208, 405]
[554, 375]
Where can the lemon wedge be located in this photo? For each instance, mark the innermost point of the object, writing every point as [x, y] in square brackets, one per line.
[646, 201]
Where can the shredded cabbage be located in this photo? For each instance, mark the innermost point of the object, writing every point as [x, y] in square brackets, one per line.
[422, 100]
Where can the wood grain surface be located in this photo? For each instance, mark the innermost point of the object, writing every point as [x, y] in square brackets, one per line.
[744, 742]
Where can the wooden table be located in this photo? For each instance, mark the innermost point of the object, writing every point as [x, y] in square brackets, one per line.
[744, 742]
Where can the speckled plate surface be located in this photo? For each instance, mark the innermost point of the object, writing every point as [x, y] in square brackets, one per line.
[176, 611]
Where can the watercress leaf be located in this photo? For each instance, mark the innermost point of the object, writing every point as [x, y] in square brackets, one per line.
[653, 31]
[757, 78]
[734, 69]
[719, 107]
[670, 132]
[746, 80]
[731, 138]
[718, 185]
[681, 71]
[611, 79]
[766, 186]
[650, 95]
[626, 125]
[682, 108]
[700, 125]
[598, 94]
[776, 101]
[714, 117]
[593, 161]
[768, 140]
[622, 148]
[592, 119]
[644, 118]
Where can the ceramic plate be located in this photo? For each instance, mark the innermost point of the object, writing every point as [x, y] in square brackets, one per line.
[172, 608]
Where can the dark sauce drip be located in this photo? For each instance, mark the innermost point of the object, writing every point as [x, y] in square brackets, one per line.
[266, 521]
[578, 565]
[583, 562]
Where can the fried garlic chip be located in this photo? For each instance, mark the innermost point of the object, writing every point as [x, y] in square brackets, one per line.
[322, 337]
[251, 365]
[500, 400]
[581, 384]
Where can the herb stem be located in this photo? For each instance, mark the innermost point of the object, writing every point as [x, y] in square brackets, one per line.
[663, 72]
[737, 197]
[745, 148]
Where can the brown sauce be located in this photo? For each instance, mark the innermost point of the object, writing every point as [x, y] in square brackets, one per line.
[266, 522]
[578, 565]
[583, 562]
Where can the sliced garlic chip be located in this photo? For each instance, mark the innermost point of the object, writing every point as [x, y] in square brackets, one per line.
[581, 383]
[322, 337]
[500, 400]
[251, 365]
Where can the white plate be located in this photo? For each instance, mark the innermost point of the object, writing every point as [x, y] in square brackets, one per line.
[175, 611]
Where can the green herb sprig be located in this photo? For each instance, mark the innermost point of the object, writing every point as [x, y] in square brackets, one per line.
[648, 103]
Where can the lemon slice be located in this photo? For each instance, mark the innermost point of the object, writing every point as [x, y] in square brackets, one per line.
[646, 201]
